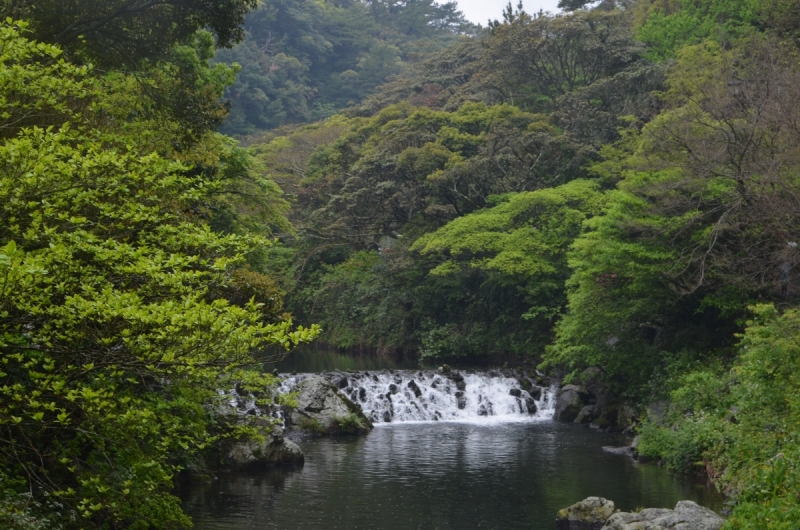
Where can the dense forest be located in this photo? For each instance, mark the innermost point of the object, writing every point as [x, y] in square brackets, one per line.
[616, 186]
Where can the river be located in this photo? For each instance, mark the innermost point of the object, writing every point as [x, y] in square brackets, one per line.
[511, 470]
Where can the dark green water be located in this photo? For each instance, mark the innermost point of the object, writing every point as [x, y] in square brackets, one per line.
[440, 476]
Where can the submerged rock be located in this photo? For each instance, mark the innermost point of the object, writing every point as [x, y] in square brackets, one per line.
[322, 409]
[588, 514]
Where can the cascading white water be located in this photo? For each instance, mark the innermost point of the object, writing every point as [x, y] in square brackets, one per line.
[412, 396]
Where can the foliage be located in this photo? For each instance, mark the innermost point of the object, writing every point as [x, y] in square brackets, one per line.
[531, 61]
[305, 60]
[742, 423]
[699, 224]
[115, 335]
[311, 425]
[689, 22]
[519, 248]
[417, 167]
[112, 33]
[488, 283]
[349, 424]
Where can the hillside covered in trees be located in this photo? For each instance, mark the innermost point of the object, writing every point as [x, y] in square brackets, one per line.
[304, 60]
[616, 186]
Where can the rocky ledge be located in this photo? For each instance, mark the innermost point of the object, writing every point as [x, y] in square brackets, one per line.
[272, 449]
[322, 409]
[588, 401]
[597, 513]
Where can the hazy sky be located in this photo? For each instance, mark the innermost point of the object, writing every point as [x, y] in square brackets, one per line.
[480, 11]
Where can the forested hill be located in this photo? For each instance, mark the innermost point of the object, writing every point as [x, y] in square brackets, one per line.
[612, 190]
[304, 60]
[615, 187]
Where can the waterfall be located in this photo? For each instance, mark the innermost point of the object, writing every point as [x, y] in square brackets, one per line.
[421, 396]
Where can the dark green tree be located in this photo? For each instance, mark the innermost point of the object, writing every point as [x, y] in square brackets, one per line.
[123, 32]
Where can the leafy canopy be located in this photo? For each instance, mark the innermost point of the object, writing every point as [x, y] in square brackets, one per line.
[115, 334]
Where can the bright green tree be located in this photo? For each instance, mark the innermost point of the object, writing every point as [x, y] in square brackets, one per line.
[115, 334]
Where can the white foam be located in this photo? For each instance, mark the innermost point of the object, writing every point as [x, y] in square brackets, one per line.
[426, 396]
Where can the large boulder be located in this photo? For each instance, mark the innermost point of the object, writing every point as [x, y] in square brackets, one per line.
[272, 450]
[593, 380]
[322, 409]
[687, 515]
[588, 414]
[588, 514]
[569, 403]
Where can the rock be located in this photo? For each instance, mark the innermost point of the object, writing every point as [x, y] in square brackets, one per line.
[272, 451]
[415, 388]
[596, 513]
[624, 450]
[568, 404]
[445, 369]
[588, 514]
[626, 415]
[535, 392]
[516, 392]
[342, 383]
[322, 409]
[461, 385]
[657, 412]
[687, 515]
[531, 405]
[587, 414]
[591, 375]
[539, 378]
[592, 379]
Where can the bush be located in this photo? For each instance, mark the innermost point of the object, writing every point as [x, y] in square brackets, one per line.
[742, 425]
[349, 424]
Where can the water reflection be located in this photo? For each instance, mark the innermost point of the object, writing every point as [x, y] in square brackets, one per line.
[440, 476]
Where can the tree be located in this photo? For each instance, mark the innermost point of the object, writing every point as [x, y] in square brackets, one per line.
[125, 32]
[420, 168]
[115, 331]
[669, 27]
[531, 61]
[518, 247]
[701, 223]
[305, 60]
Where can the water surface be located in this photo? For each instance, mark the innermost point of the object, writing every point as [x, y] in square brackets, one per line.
[483, 474]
